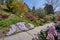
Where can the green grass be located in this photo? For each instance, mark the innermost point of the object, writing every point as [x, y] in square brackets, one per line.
[32, 22]
[7, 22]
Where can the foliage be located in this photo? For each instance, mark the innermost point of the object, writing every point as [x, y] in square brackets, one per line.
[3, 16]
[47, 18]
[8, 4]
[43, 21]
[40, 13]
[17, 7]
[1, 2]
[53, 3]
[42, 35]
[29, 21]
[29, 10]
[52, 16]
[32, 17]
[57, 17]
[33, 10]
[49, 9]
[7, 22]
[20, 7]
[48, 34]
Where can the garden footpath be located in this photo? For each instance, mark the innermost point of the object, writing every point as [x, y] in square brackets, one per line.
[28, 35]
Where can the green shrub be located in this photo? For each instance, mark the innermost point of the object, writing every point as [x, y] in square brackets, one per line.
[40, 13]
[32, 22]
[14, 20]
[5, 23]
[11, 20]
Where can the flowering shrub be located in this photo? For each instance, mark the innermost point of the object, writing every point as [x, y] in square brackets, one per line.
[49, 34]
[30, 16]
[4, 16]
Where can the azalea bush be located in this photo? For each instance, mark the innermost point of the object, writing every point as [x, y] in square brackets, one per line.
[48, 34]
[32, 17]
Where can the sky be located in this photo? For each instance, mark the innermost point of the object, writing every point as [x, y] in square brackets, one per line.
[36, 3]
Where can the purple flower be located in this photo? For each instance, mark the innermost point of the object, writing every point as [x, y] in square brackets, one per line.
[52, 30]
[50, 37]
[41, 30]
[52, 27]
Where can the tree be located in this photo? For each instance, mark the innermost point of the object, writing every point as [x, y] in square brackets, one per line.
[8, 4]
[29, 10]
[1, 2]
[53, 3]
[33, 10]
[18, 8]
[51, 6]
[49, 9]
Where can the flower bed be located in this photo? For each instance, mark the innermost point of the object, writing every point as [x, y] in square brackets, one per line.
[49, 34]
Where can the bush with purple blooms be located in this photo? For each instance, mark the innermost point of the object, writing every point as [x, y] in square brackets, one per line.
[49, 34]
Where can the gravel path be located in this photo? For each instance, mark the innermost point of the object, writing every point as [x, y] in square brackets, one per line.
[26, 35]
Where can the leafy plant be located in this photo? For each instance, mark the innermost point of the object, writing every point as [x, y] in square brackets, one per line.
[42, 35]
[11, 20]
[40, 13]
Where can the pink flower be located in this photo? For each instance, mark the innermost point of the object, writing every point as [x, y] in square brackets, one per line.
[52, 27]
[50, 37]
[55, 33]
[52, 30]
[41, 30]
